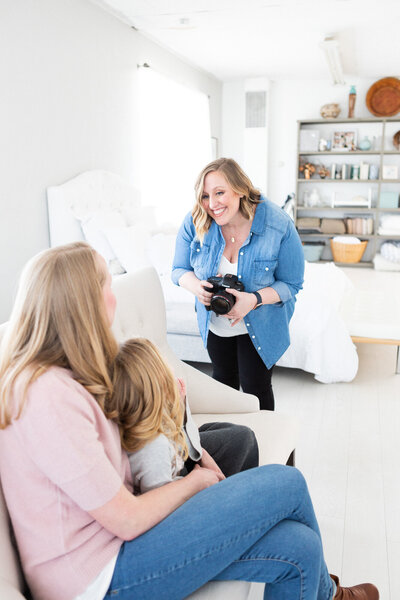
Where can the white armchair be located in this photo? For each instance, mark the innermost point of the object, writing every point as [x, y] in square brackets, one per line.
[141, 313]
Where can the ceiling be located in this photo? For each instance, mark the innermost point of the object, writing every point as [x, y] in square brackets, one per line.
[278, 39]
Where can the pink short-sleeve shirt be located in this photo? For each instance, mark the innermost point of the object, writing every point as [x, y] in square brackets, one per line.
[61, 458]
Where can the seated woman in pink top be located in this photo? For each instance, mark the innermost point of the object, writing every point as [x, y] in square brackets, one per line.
[80, 531]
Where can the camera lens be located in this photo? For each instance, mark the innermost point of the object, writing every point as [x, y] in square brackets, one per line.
[222, 303]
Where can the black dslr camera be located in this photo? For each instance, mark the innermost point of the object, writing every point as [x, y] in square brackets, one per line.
[222, 301]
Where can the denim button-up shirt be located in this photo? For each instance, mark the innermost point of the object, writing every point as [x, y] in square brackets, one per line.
[272, 256]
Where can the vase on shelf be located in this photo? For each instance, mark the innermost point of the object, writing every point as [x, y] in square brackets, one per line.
[352, 102]
[365, 143]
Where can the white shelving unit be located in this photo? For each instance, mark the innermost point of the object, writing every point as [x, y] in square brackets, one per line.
[382, 153]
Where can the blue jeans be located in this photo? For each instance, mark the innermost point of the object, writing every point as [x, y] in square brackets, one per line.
[258, 525]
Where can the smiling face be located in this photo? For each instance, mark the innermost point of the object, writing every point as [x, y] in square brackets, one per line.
[220, 201]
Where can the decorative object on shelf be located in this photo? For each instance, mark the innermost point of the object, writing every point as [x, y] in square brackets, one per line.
[347, 249]
[313, 251]
[396, 140]
[312, 199]
[323, 172]
[365, 143]
[390, 172]
[330, 111]
[344, 140]
[352, 102]
[322, 145]
[308, 169]
[355, 202]
[389, 200]
[373, 172]
[309, 139]
[383, 97]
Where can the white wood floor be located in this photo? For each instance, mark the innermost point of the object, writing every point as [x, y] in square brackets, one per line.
[349, 452]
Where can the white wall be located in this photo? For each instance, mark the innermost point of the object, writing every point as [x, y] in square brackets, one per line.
[288, 102]
[69, 81]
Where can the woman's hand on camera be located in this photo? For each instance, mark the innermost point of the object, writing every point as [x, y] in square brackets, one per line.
[203, 477]
[198, 287]
[203, 295]
[245, 302]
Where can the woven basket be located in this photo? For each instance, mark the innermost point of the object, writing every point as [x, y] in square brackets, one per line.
[347, 253]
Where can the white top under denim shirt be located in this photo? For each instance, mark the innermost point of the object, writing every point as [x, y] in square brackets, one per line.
[272, 256]
[219, 324]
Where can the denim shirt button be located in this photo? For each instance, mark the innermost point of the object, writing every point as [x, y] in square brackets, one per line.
[198, 250]
[266, 268]
[239, 277]
[241, 254]
[253, 336]
[248, 324]
[259, 348]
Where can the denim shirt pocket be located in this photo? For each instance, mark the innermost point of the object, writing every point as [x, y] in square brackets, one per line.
[264, 272]
[199, 259]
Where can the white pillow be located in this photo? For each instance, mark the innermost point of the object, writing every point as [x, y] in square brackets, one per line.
[129, 246]
[161, 250]
[93, 230]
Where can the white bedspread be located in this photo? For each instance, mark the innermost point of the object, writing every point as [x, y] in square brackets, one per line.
[320, 341]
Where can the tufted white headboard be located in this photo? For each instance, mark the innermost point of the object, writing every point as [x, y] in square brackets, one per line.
[84, 195]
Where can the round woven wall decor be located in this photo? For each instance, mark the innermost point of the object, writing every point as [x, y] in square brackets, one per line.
[383, 97]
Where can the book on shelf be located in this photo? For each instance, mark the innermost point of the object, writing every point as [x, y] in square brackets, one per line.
[364, 170]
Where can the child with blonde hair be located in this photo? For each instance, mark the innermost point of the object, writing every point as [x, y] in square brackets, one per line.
[149, 405]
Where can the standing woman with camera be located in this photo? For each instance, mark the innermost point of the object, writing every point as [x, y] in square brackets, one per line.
[233, 230]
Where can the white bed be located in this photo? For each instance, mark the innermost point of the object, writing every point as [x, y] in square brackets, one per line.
[102, 208]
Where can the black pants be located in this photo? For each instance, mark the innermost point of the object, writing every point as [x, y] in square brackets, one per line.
[233, 447]
[237, 363]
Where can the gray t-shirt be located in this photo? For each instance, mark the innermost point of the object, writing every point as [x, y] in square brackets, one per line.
[158, 463]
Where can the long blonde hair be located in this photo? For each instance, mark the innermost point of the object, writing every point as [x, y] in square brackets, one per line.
[145, 400]
[238, 181]
[59, 318]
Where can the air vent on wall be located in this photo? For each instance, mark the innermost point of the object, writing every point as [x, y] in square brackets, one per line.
[256, 109]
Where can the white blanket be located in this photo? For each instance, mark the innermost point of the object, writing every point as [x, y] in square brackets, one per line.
[320, 341]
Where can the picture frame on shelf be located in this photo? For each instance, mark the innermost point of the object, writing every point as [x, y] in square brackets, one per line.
[344, 140]
[390, 172]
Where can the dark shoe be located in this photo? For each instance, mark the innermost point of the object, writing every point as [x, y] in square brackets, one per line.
[363, 591]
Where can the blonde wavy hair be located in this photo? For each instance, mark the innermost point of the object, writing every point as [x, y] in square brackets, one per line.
[238, 181]
[59, 318]
[145, 401]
